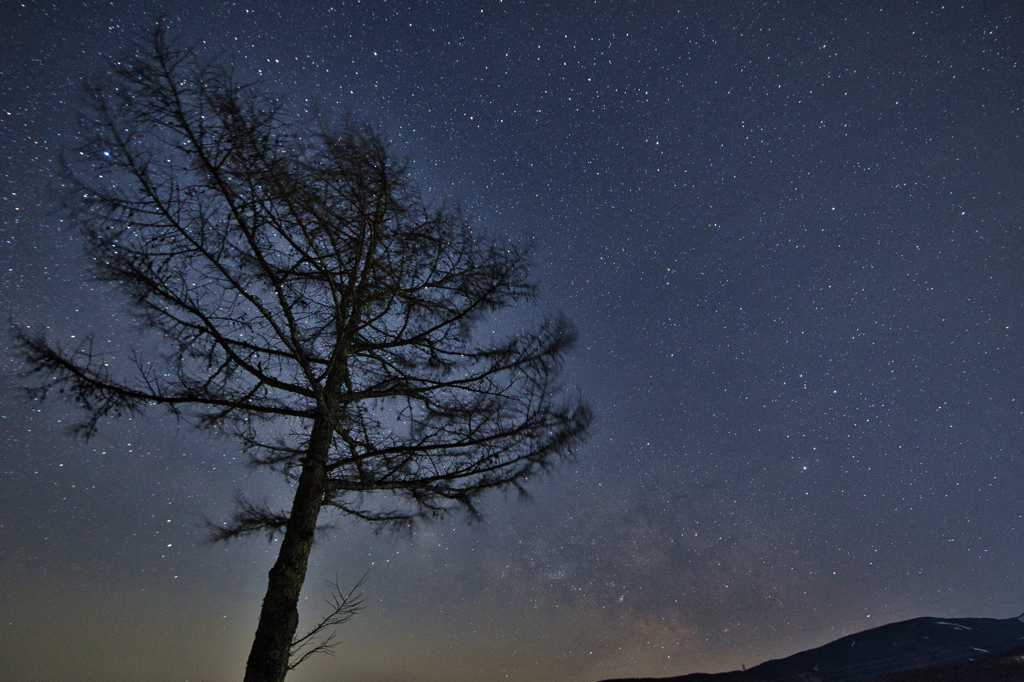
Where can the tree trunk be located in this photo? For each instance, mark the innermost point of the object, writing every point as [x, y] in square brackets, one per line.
[279, 616]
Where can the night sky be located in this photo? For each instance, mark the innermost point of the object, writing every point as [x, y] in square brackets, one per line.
[791, 235]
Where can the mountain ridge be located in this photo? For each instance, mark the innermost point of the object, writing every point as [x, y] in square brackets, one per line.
[908, 645]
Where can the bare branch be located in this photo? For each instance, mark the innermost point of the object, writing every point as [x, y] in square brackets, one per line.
[344, 607]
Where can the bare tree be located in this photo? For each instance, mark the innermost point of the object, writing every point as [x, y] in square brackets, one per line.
[308, 301]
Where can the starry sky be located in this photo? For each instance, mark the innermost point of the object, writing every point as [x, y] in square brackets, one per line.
[790, 234]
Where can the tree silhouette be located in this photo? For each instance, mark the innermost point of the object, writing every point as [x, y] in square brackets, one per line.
[309, 302]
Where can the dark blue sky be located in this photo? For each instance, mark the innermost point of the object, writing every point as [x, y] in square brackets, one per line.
[791, 236]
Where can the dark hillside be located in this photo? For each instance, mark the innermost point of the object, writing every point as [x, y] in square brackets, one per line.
[907, 645]
[1005, 667]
